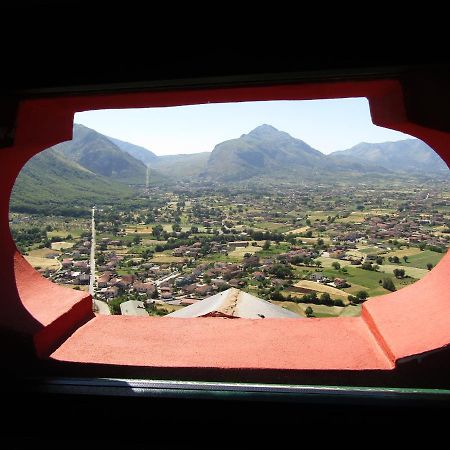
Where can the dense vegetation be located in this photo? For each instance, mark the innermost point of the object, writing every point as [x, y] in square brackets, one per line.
[51, 184]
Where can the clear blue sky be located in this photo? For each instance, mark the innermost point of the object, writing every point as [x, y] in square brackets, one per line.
[326, 125]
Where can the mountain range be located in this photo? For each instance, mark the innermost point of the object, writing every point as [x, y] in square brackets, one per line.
[266, 151]
[104, 168]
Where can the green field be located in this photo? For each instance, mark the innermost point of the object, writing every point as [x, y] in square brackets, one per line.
[75, 232]
[215, 257]
[273, 250]
[361, 280]
[420, 260]
[321, 310]
[369, 281]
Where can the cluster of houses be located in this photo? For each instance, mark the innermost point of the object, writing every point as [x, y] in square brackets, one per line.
[415, 229]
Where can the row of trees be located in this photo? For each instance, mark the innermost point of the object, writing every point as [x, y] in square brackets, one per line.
[323, 299]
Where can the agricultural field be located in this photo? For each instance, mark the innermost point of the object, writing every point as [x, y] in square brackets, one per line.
[298, 230]
[239, 252]
[38, 258]
[318, 287]
[166, 258]
[321, 311]
[413, 272]
[403, 252]
[62, 245]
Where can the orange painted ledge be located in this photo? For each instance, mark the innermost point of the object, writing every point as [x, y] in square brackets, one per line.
[281, 344]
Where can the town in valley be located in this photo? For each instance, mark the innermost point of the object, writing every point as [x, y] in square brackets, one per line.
[318, 249]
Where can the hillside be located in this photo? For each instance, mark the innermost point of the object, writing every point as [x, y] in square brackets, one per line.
[97, 153]
[50, 183]
[263, 151]
[400, 156]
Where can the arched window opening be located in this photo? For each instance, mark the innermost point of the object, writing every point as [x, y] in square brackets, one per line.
[242, 210]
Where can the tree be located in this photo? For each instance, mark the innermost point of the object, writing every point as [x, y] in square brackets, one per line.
[429, 266]
[362, 295]
[325, 299]
[399, 273]
[296, 260]
[100, 259]
[157, 230]
[405, 258]
[277, 295]
[281, 271]
[309, 312]
[266, 245]
[379, 260]
[389, 284]
[367, 266]
[147, 253]
[336, 265]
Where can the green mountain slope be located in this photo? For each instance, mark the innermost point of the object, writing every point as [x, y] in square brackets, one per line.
[50, 183]
[96, 152]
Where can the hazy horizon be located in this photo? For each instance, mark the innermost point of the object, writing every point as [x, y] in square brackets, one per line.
[198, 128]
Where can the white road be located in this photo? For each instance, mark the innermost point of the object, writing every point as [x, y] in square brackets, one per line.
[92, 261]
